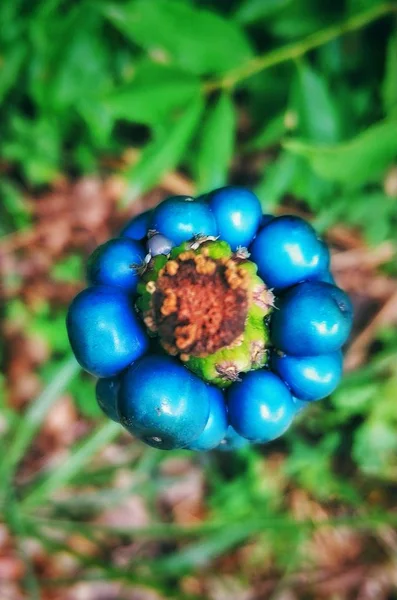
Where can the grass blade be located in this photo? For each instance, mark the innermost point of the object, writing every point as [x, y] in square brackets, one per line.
[75, 463]
[33, 420]
[16, 525]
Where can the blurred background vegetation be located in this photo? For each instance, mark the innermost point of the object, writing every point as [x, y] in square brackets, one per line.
[107, 107]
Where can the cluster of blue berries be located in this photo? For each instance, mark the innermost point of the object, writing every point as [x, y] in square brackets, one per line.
[205, 379]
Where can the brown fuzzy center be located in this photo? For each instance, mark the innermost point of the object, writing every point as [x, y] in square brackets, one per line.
[199, 305]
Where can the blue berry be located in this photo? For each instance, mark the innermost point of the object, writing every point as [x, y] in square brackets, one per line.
[311, 318]
[324, 273]
[300, 405]
[260, 406]
[214, 308]
[179, 218]
[137, 228]
[107, 389]
[159, 244]
[163, 403]
[116, 263]
[104, 330]
[325, 259]
[309, 377]
[215, 429]
[288, 251]
[238, 215]
[266, 220]
[327, 277]
[232, 441]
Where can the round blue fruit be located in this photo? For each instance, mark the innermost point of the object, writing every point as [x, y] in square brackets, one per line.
[260, 406]
[104, 331]
[238, 215]
[106, 391]
[162, 403]
[137, 228]
[324, 273]
[288, 251]
[300, 405]
[327, 277]
[179, 218]
[265, 220]
[116, 263]
[232, 441]
[309, 377]
[215, 429]
[311, 318]
[325, 258]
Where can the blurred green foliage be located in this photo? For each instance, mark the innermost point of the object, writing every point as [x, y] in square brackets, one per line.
[81, 81]
[311, 87]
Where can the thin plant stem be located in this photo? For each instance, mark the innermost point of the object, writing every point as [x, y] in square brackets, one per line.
[16, 524]
[294, 51]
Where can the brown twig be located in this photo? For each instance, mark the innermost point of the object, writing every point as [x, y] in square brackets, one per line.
[358, 350]
[364, 257]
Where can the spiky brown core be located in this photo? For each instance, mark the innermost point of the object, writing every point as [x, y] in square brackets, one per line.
[198, 304]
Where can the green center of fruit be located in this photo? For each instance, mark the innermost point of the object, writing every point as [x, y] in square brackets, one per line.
[208, 306]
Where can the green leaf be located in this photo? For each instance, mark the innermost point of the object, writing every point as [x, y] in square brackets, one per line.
[201, 553]
[311, 464]
[154, 91]
[68, 269]
[164, 152]
[10, 66]
[192, 38]
[250, 11]
[354, 163]
[270, 134]
[307, 186]
[318, 119]
[356, 6]
[277, 179]
[301, 18]
[48, 324]
[83, 391]
[82, 70]
[389, 84]
[35, 146]
[375, 441]
[354, 399]
[375, 448]
[216, 145]
[14, 212]
[356, 208]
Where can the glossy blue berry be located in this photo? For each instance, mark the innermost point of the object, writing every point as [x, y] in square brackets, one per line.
[327, 277]
[311, 318]
[260, 407]
[116, 263]
[288, 251]
[106, 391]
[300, 405]
[238, 215]
[179, 218]
[232, 441]
[104, 330]
[159, 244]
[163, 403]
[325, 259]
[265, 220]
[309, 377]
[215, 429]
[137, 228]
